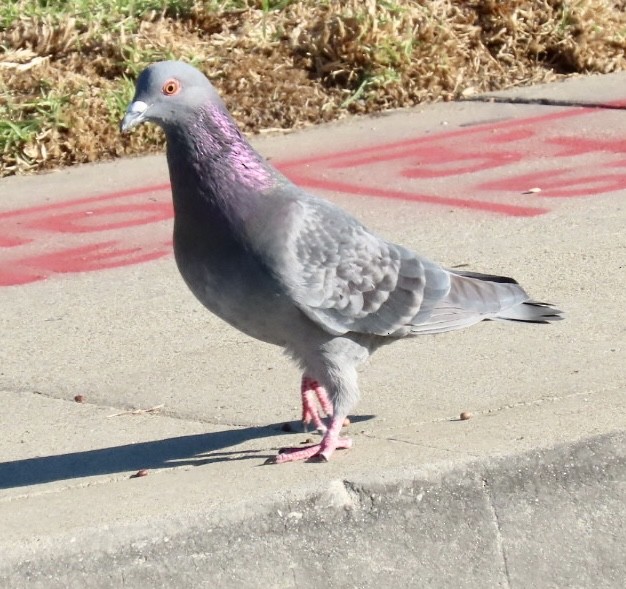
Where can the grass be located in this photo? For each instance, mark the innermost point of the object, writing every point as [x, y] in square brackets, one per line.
[67, 66]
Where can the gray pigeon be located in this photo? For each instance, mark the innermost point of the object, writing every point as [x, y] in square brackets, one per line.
[291, 269]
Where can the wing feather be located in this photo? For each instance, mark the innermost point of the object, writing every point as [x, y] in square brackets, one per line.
[347, 279]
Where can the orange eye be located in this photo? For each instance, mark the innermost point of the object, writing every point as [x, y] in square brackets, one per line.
[171, 87]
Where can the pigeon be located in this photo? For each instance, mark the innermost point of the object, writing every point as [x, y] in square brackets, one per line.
[292, 269]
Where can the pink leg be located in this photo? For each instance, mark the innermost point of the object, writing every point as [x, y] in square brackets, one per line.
[308, 389]
[318, 452]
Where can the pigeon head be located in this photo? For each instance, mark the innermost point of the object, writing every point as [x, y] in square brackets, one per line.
[169, 93]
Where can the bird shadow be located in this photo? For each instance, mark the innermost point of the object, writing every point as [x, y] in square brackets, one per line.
[191, 450]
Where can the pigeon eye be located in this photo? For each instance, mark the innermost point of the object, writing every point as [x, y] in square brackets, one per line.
[171, 87]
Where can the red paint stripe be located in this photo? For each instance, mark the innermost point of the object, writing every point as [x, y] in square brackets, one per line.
[514, 210]
[378, 149]
[85, 200]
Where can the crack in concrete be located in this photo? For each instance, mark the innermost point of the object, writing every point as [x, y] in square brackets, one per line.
[546, 102]
[295, 580]
[164, 412]
[417, 444]
[499, 539]
[161, 412]
[542, 400]
[509, 406]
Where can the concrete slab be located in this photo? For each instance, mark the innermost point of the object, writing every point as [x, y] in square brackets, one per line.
[93, 305]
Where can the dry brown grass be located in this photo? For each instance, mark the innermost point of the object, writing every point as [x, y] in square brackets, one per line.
[65, 78]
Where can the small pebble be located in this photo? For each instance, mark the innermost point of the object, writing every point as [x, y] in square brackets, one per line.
[140, 473]
[79, 398]
[465, 415]
[346, 422]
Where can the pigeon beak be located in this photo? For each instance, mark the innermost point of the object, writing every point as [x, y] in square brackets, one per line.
[135, 114]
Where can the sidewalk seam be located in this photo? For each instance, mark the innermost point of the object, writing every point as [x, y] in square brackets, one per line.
[161, 412]
[501, 408]
[498, 531]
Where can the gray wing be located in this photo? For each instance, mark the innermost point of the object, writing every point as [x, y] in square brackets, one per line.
[347, 279]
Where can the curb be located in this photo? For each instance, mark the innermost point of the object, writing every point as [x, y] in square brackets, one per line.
[549, 518]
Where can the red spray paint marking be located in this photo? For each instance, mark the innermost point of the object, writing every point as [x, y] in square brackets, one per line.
[131, 226]
[561, 184]
[83, 234]
[85, 201]
[463, 152]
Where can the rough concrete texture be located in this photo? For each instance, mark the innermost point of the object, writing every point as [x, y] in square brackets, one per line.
[538, 519]
[529, 492]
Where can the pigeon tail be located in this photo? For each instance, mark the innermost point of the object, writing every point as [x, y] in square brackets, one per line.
[528, 311]
[531, 312]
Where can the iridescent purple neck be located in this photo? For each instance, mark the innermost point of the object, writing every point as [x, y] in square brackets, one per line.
[217, 177]
[220, 148]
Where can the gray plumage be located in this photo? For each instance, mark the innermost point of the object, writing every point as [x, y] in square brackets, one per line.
[292, 269]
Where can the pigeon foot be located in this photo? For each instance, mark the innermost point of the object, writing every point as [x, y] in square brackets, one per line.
[317, 452]
[310, 390]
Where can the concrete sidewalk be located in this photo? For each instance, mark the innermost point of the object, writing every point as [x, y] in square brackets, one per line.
[529, 492]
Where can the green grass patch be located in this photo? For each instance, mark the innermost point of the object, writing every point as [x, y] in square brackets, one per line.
[277, 63]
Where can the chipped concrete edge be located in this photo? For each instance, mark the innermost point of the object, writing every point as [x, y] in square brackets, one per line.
[447, 503]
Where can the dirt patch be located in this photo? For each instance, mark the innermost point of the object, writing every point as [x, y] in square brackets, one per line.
[66, 77]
